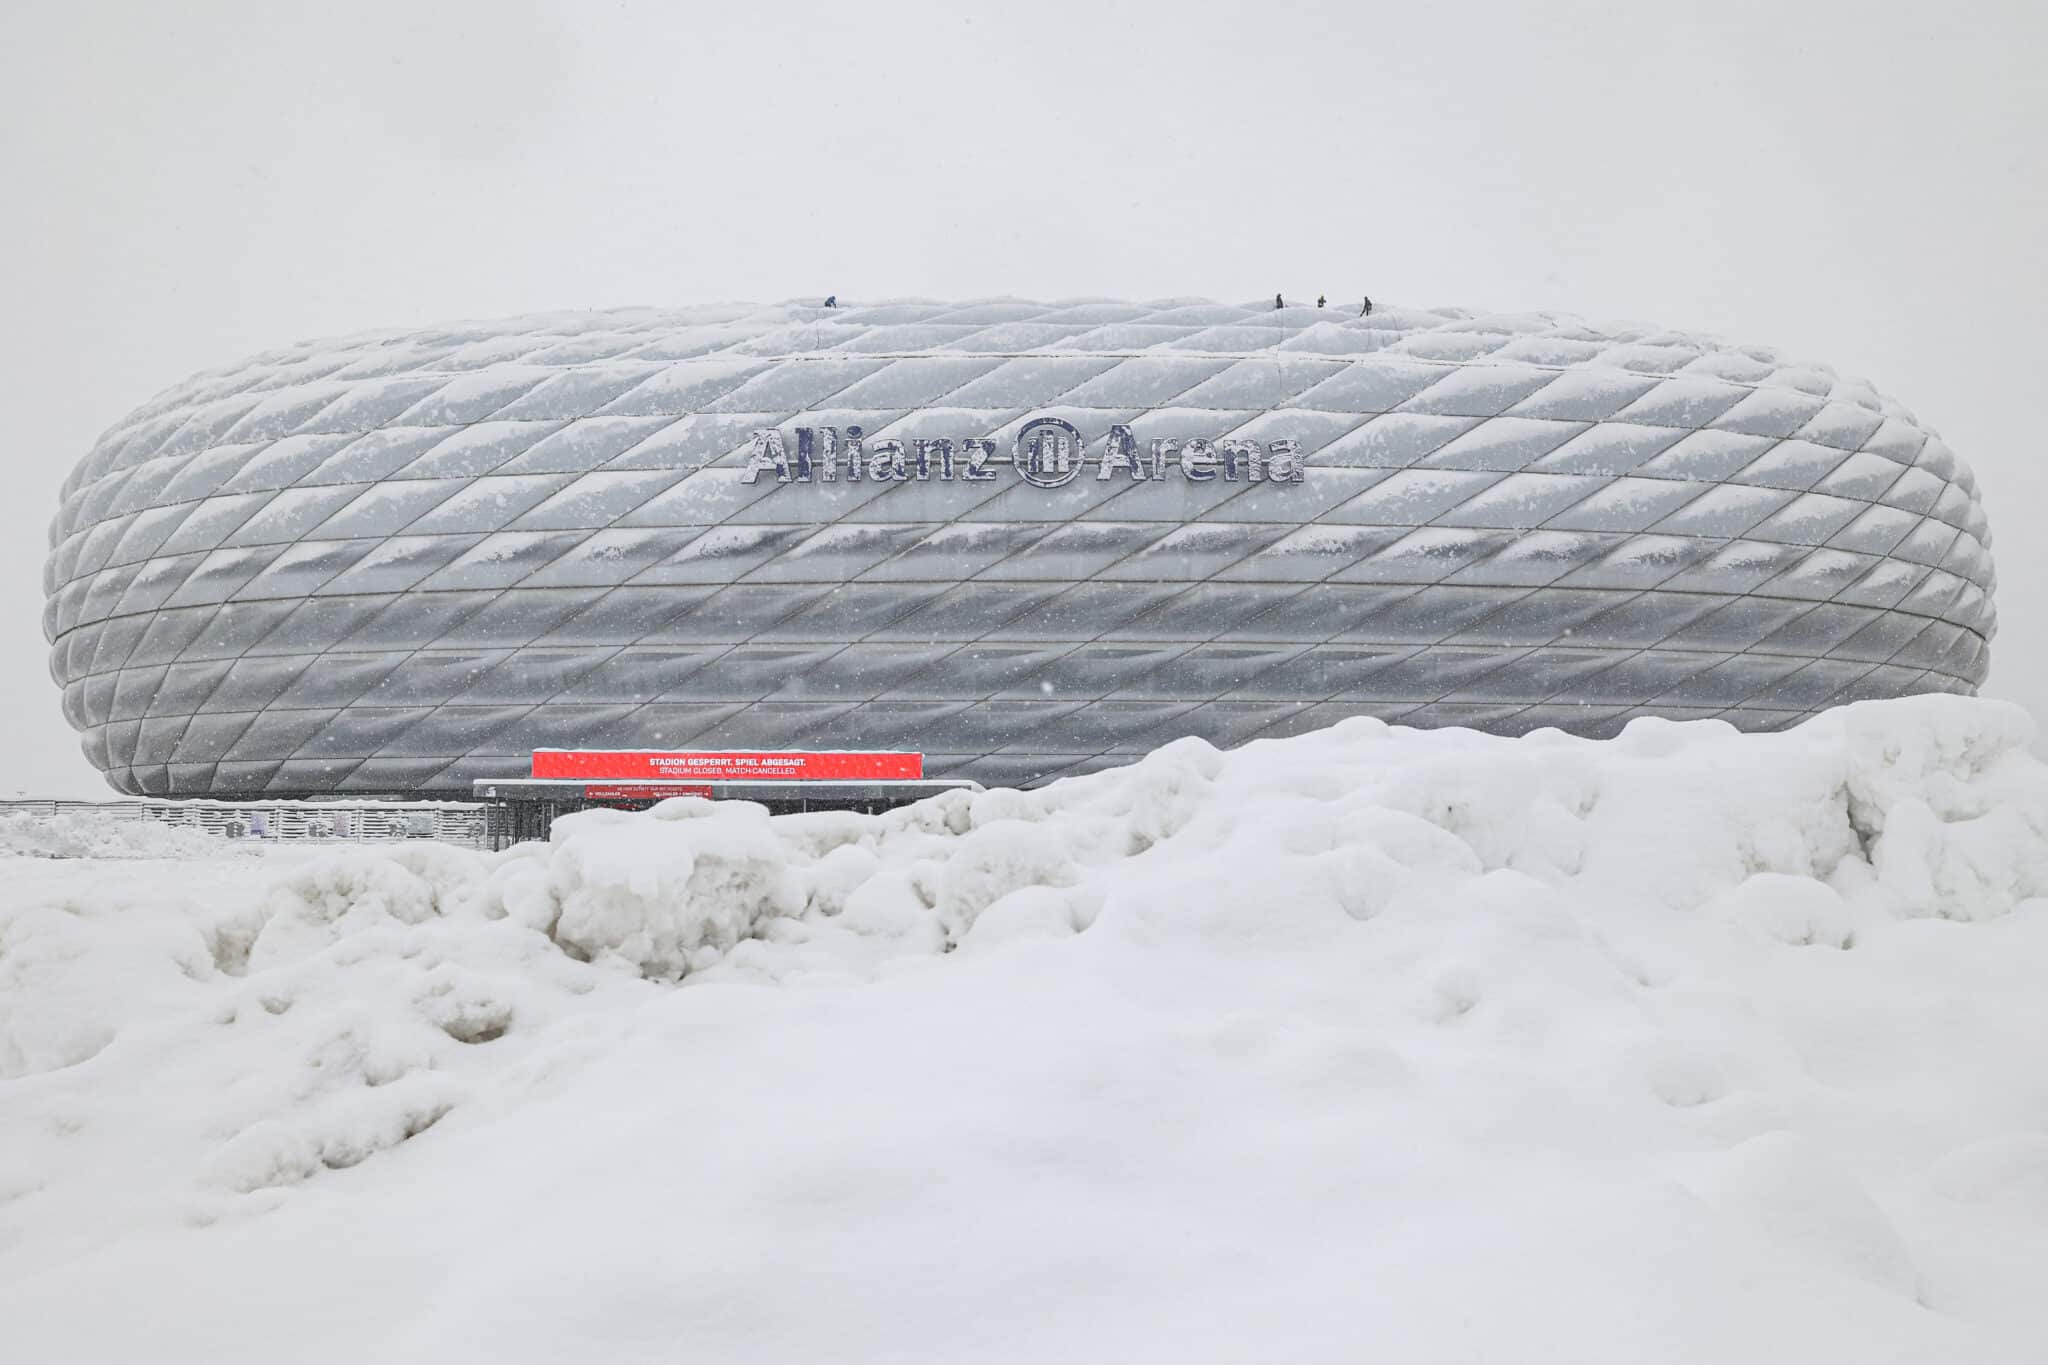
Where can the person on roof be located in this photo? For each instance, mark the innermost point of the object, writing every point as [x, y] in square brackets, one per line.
[1366, 311]
[831, 300]
[1278, 302]
[1322, 299]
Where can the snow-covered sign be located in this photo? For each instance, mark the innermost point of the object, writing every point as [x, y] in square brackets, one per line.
[1049, 452]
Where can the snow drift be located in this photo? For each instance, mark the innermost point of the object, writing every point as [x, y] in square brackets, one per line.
[1686, 1045]
[90, 834]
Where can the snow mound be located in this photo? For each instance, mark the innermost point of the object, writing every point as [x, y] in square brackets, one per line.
[83, 834]
[1925, 808]
[1679, 1046]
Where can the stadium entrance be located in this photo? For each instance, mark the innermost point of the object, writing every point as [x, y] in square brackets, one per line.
[568, 780]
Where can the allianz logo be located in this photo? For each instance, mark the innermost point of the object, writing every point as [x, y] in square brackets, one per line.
[1048, 453]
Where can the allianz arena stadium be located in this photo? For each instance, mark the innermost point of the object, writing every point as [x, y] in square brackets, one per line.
[1024, 539]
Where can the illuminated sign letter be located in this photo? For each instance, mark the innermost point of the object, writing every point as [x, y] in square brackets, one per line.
[768, 454]
[853, 453]
[885, 460]
[1198, 460]
[978, 449]
[1163, 448]
[1283, 461]
[1120, 452]
[1243, 460]
[817, 450]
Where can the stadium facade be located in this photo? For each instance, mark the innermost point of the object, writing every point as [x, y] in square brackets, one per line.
[1024, 539]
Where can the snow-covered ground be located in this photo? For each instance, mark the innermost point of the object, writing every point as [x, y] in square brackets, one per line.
[90, 834]
[1367, 1045]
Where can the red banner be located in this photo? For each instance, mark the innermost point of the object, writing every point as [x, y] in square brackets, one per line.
[631, 765]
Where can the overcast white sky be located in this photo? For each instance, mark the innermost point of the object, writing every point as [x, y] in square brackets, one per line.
[1858, 183]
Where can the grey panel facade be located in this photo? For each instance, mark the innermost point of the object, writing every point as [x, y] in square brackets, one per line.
[401, 561]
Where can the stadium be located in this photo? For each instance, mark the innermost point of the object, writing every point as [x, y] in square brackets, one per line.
[1024, 540]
